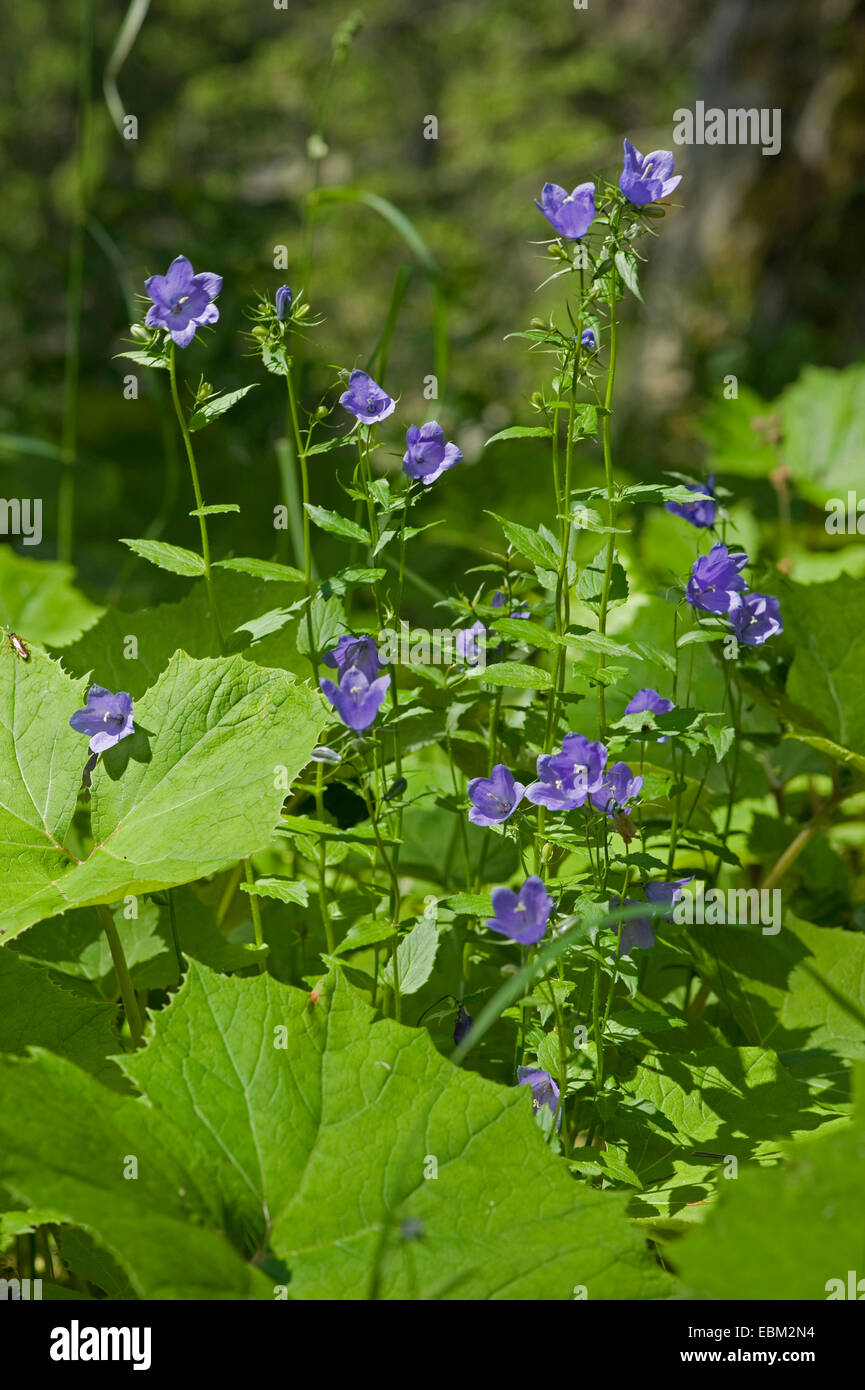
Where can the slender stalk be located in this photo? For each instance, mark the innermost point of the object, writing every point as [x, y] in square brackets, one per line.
[199, 501]
[307, 544]
[611, 513]
[736, 716]
[323, 900]
[172, 918]
[596, 1026]
[561, 1112]
[124, 979]
[255, 910]
[562, 587]
[678, 773]
[796, 846]
[396, 899]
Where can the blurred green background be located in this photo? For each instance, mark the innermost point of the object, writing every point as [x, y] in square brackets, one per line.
[243, 110]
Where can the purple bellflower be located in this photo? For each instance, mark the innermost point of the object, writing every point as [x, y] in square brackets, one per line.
[283, 302]
[668, 893]
[106, 718]
[570, 214]
[495, 798]
[639, 931]
[568, 778]
[543, 1088]
[182, 300]
[652, 702]
[588, 340]
[618, 791]
[700, 514]
[356, 699]
[427, 454]
[470, 644]
[756, 619]
[366, 400]
[518, 608]
[646, 178]
[715, 584]
[522, 916]
[360, 652]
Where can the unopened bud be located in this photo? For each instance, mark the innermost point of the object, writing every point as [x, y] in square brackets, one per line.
[322, 754]
[396, 789]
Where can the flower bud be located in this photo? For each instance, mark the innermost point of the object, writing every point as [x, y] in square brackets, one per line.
[322, 754]
[139, 332]
[462, 1026]
[283, 302]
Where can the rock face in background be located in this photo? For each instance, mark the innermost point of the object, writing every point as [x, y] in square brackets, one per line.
[757, 272]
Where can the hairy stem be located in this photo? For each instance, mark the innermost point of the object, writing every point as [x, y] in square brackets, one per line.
[124, 979]
[199, 501]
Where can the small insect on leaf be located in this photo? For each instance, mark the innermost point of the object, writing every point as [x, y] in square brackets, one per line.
[17, 645]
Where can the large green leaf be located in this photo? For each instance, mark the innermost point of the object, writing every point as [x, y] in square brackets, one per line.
[38, 600]
[785, 1234]
[827, 677]
[679, 1117]
[75, 946]
[193, 789]
[311, 1132]
[122, 663]
[35, 1012]
[824, 431]
[768, 983]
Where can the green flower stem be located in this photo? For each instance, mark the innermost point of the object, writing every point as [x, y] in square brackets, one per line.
[124, 979]
[615, 977]
[396, 897]
[678, 772]
[596, 1027]
[806, 834]
[611, 512]
[521, 1030]
[394, 691]
[196, 488]
[366, 476]
[301, 450]
[463, 821]
[736, 717]
[228, 894]
[288, 469]
[255, 909]
[172, 919]
[562, 587]
[563, 1070]
[562, 592]
[323, 900]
